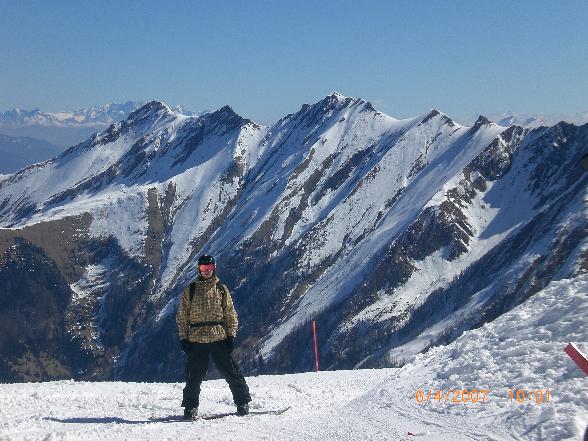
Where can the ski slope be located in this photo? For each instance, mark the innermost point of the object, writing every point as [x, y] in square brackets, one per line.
[522, 349]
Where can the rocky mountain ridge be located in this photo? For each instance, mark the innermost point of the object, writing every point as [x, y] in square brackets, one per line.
[394, 235]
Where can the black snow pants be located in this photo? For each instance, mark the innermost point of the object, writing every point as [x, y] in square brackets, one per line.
[197, 367]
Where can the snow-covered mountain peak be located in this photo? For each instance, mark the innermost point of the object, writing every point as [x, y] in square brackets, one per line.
[482, 121]
[333, 105]
[482, 124]
[151, 108]
[226, 110]
[148, 118]
[334, 98]
[228, 114]
[434, 113]
[223, 121]
[337, 95]
[333, 101]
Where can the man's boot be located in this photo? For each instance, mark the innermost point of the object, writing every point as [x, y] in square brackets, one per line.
[243, 409]
[191, 414]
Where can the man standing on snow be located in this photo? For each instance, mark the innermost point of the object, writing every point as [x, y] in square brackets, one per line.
[207, 324]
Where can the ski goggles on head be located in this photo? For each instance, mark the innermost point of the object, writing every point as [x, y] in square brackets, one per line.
[208, 267]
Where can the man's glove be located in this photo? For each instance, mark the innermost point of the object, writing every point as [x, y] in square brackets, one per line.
[185, 345]
[230, 342]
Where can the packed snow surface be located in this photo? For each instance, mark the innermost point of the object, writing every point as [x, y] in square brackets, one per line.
[520, 351]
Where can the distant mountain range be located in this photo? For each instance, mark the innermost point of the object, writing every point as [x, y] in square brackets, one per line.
[533, 121]
[394, 235]
[67, 127]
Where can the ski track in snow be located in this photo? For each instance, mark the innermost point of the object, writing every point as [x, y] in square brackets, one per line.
[322, 409]
[79, 410]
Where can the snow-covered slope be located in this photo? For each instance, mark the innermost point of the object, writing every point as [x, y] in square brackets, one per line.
[520, 351]
[109, 176]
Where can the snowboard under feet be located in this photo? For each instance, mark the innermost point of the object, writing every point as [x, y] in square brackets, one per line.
[216, 416]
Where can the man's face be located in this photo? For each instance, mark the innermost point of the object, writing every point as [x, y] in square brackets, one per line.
[206, 270]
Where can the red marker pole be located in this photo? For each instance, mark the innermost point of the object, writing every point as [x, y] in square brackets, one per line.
[315, 345]
[579, 358]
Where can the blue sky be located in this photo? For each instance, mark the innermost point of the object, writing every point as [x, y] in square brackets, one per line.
[266, 58]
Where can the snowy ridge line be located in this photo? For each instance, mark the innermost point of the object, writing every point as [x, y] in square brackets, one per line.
[417, 195]
[517, 211]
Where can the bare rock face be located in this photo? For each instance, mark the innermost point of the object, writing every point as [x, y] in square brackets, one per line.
[394, 235]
